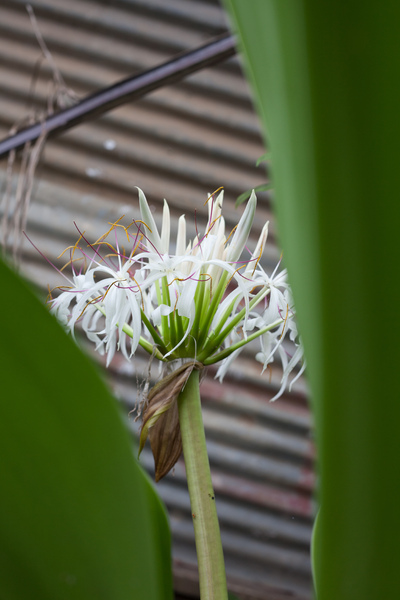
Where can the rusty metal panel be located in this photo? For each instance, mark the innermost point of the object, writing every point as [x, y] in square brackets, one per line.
[180, 142]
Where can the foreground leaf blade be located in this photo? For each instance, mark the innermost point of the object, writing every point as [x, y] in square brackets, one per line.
[326, 84]
[78, 517]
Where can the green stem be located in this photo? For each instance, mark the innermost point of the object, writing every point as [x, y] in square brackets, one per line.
[217, 297]
[210, 556]
[215, 341]
[142, 341]
[153, 332]
[166, 323]
[179, 329]
[224, 353]
[198, 299]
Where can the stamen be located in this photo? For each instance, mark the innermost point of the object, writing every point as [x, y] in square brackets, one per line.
[96, 252]
[113, 225]
[212, 225]
[176, 301]
[73, 248]
[236, 271]
[147, 239]
[285, 320]
[107, 244]
[141, 293]
[207, 275]
[143, 223]
[45, 257]
[231, 233]
[63, 288]
[136, 246]
[257, 261]
[111, 285]
[126, 227]
[87, 304]
[213, 194]
[209, 278]
[72, 260]
[49, 296]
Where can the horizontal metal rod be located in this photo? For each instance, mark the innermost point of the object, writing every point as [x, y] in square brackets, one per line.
[125, 91]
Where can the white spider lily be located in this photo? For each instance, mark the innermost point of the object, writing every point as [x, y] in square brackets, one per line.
[198, 302]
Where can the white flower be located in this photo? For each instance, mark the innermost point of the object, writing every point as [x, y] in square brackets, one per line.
[80, 291]
[203, 301]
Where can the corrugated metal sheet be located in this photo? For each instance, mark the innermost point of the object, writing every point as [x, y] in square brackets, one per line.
[179, 142]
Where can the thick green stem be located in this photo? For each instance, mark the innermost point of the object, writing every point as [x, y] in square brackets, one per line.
[210, 556]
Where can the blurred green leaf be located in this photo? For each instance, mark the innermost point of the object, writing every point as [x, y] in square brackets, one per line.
[325, 77]
[263, 158]
[246, 195]
[316, 549]
[264, 187]
[79, 518]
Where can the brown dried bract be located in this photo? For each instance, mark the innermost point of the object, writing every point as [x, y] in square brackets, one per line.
[161, 419]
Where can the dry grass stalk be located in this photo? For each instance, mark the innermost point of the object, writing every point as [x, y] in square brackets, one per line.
[16, 206]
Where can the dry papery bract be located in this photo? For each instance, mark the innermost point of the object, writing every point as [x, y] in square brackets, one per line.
[161, 420]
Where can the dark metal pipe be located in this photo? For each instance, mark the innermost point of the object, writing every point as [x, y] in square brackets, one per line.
[127, 90]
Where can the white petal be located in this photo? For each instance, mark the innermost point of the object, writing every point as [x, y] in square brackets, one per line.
[214, 210]
[277, 307]
[165, 229]
[258, 251]
[185, 305]
[161, 311]
[151, 233]
[181, 236]
[242, 231]
[226, 363]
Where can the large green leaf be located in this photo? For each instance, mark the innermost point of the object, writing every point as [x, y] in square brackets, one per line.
[326, 82]
[79, 518]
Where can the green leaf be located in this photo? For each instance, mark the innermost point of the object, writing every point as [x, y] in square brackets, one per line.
[316, 550]
[264, 187]
[263, 158]
[325, 78]
[79, 518]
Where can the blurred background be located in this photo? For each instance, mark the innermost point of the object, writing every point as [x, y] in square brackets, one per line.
[180, 143]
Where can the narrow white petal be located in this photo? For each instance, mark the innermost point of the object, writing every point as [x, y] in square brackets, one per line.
[258, 251]
[181, 236]
[151, 233]
[241, 234]
[299, 374]
[165, 229]
[185, 305]
[218, 205]
[214, 209]
[226, 363]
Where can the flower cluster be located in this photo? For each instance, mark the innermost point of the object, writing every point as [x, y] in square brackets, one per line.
[198, 300]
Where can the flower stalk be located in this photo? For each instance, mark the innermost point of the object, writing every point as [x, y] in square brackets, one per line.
[210, 556]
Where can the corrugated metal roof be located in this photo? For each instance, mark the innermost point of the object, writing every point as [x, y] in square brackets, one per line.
[180, 142]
